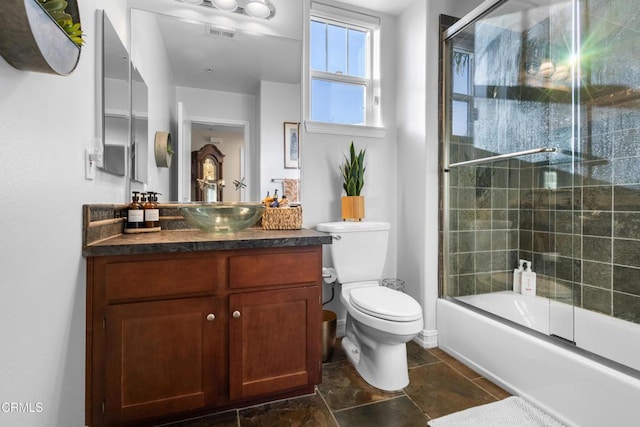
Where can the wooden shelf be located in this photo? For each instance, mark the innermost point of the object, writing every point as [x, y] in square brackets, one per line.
[31, 40]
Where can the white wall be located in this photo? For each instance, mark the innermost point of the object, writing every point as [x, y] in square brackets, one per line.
[47, 121]
[279, 103]
[322, 155]
[418, 41]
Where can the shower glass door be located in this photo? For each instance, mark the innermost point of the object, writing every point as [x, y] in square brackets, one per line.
[510, 110]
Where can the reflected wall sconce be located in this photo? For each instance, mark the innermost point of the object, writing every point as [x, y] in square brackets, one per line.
[262, 9]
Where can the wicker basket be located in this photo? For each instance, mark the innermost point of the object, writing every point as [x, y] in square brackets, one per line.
[289, 218]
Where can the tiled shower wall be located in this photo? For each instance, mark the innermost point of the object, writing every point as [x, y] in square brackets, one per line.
[582, 235]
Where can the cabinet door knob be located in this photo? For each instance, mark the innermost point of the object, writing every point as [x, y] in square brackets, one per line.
[236, 314]
[211, 317]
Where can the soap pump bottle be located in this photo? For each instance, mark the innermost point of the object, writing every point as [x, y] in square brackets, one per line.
[135, 212]
[517, 276]
[151, 212]
[528, 281]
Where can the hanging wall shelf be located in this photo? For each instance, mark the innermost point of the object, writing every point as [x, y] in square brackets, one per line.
[31, 40]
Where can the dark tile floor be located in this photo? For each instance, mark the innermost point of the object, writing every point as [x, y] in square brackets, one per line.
[439, 385]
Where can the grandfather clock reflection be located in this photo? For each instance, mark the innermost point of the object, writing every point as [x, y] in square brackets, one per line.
[206, 174]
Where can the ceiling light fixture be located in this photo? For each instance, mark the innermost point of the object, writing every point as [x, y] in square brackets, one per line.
[225, 5]
[262, 9]
[257, 9]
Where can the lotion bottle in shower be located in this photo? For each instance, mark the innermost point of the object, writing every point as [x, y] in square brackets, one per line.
[517, 276]
[528, 281]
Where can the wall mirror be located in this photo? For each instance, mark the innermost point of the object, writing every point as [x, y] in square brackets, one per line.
[115, 100]
[139, 151]
[234, 90]
[124, 109]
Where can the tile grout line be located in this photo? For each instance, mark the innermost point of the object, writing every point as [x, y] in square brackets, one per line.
[418, 406]
[474, 381]
[372, 403]
[459, 371]
[333, 416]
[486, 391]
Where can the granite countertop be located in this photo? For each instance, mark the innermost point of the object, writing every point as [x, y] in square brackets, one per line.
[189, 240]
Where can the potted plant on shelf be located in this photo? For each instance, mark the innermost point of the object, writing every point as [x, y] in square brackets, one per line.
[353, 181]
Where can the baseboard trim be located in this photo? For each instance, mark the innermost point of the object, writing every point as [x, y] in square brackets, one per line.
[427, 338]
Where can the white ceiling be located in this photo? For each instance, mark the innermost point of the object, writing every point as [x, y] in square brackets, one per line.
[391, 7]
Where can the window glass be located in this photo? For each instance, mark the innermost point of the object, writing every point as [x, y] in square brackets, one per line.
[460, 118]
[336, 49]
[460, 73]
[357, 53]
[318, 46]
[336, 102]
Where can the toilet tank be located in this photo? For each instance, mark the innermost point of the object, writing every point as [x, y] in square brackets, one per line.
[359, 249]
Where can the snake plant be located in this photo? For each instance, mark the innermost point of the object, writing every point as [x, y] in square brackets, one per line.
[353, 172]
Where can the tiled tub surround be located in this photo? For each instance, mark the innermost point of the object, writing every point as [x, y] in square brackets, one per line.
[583, 236]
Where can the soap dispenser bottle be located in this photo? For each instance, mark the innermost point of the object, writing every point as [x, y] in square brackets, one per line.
[135, 213]
[517, 276]
[151, 212]
[528, 281]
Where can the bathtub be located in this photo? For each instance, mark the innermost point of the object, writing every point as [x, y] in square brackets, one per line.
[575, 386]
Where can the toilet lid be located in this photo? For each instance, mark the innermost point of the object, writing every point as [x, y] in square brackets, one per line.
[385, 303]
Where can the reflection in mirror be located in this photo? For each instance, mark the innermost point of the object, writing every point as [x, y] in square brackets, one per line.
[207, 179]
[115, 100]
[139, 127]
[234, 89]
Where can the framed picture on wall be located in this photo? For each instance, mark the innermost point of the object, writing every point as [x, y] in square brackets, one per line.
[291, 145]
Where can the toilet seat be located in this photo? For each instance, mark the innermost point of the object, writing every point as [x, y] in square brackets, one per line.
[385, 303]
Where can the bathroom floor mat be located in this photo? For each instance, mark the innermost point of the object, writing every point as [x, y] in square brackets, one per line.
[509, 412]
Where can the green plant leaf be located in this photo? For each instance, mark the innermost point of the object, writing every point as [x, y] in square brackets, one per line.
[353, 171]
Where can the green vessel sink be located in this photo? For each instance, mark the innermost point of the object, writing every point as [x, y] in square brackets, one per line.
[222, 217]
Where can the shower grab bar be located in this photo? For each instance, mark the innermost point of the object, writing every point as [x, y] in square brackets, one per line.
[501, 157]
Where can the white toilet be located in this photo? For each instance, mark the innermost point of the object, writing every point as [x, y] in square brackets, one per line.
[380, 321]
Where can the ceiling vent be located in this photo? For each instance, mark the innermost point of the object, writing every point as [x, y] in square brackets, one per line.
[223, 33]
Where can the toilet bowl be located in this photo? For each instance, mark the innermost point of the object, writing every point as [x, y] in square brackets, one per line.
[380, 321]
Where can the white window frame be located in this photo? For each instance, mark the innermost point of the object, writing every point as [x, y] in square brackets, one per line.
[357, 21]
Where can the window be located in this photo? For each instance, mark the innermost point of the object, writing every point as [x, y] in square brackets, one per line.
[341, 91]
[461, 93]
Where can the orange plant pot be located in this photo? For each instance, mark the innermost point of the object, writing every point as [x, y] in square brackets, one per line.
[352, 208]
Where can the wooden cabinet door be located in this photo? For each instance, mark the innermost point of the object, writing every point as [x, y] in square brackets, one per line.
[164, 357]
[275, 341]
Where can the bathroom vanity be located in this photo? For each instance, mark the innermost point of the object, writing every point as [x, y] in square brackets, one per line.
[181, 322]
